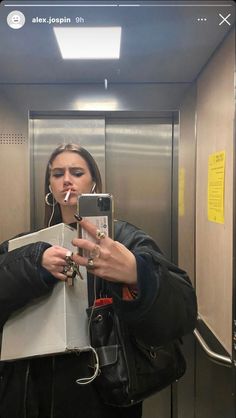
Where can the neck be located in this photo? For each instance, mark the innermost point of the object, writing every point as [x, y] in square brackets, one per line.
[67, 213]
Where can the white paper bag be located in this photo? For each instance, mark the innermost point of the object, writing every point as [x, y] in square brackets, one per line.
[54, 323]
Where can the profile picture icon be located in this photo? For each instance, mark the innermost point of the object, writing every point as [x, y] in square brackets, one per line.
[16, 19]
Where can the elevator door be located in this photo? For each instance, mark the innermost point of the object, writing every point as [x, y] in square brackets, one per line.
[135, 157]
[139, 174]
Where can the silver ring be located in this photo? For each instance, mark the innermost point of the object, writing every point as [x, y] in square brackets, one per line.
[100, 234]
[68, 257]
[65, 270]
[90, 263]
[95, 252]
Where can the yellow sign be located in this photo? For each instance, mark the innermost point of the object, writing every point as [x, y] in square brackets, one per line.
[181, 191]
[216, 185]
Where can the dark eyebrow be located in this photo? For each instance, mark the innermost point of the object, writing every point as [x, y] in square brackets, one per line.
[63, 168]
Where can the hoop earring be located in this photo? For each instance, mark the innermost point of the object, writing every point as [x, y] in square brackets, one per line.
[47, 199]
[93, 188]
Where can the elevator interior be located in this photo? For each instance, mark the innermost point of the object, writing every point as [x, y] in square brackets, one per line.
[167, 105]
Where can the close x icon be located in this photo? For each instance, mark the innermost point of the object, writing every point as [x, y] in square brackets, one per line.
[224, 19]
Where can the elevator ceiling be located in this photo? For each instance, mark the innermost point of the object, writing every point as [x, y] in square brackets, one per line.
[162, 42]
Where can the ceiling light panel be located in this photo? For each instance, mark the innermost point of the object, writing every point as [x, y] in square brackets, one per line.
[89, 42]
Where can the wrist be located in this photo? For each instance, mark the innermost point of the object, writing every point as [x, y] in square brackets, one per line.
[133, 276]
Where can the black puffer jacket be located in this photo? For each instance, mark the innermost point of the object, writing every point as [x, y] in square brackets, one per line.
[45, 387]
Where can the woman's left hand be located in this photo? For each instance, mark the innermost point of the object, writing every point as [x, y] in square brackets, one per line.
[109, 259]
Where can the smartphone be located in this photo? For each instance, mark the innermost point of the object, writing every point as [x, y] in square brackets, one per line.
[97, 208]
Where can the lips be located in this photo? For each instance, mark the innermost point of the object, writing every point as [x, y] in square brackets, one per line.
[69, 188]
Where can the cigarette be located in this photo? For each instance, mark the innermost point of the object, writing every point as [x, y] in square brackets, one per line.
[67, 196]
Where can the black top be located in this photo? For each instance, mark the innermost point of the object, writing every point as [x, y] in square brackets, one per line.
[42, 387]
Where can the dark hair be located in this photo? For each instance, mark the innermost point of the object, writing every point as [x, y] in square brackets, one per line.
[93, 168]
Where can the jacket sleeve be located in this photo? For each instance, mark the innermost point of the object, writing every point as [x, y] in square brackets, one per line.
[166, 306]
[22, 278]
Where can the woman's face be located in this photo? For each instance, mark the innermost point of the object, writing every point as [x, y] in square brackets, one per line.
[69, 171]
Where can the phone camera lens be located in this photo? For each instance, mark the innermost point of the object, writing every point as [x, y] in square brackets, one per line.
[104, 203]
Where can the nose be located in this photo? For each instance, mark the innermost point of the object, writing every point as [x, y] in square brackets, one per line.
[67, 178]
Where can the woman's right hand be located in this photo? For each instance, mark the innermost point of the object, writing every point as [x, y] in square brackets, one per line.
[54, 260]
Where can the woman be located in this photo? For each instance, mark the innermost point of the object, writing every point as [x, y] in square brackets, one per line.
[156, 307]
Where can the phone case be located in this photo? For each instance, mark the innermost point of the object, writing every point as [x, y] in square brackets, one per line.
[99, 209]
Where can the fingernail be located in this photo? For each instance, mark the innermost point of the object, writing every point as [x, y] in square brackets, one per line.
[78, 217]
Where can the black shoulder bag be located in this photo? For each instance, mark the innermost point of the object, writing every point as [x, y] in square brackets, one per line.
[130, 371]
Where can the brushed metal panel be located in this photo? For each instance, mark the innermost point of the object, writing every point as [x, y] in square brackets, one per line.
[186, 241]
[214, 242]
[139, 175]
[46, 135]
[187, 163]
[214, 393]
[175, 180]
[139, 172]
[14, 171]
[14, 187]
[158, 405]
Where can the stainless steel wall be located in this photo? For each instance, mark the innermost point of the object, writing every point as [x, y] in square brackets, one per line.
[205, 247]
[139, 174]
